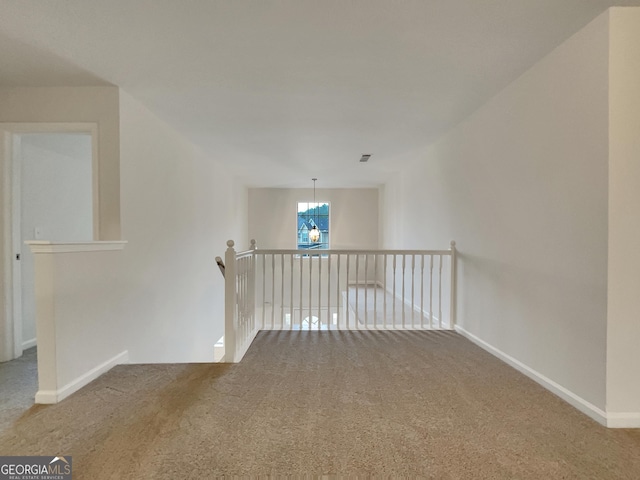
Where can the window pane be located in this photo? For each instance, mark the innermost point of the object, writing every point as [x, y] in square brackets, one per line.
[312, 215]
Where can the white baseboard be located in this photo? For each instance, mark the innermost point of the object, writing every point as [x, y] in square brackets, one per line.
[568, 396]
[55, 396]
[29, 344]
[623, 419]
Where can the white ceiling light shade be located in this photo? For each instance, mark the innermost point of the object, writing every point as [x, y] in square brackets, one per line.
[314, 233]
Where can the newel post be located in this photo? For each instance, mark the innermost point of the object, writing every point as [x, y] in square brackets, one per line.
[230, 304]
[253, 244]
[454, 293]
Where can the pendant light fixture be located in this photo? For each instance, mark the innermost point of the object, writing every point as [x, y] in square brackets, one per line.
[314, 233]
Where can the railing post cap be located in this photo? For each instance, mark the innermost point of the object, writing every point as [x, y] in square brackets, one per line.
[453, 243]
[230, 243]
[253, 244]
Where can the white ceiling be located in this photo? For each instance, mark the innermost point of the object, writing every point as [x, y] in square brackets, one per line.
[286, 90]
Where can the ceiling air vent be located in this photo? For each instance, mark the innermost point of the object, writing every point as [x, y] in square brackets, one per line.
[365, 157]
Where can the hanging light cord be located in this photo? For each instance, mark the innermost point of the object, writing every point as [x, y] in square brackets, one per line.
[315, 236]
[315, 205]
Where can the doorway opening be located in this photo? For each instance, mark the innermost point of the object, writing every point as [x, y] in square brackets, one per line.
[50, 194]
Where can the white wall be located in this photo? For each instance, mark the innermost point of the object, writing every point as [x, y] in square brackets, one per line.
[623, 333]
[390, 230]
[353, 224]
[521, 185]
[179, 208]
[353, 216]
[161, 298]
[56, 198]
[97, 105]
[82, 320]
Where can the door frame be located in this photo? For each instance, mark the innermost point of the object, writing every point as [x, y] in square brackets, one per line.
[11, 340]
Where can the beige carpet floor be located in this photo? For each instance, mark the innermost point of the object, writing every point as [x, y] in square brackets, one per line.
[382, 404]
[18, 386]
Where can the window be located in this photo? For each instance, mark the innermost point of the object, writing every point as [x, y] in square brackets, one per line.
[311, 215]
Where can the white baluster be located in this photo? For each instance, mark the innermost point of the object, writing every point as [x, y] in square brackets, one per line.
[230, 304]
[291, 314]
[422, 291]
[310, 290]
[357, 316]
[273, 289]
[375, 292]
[453, 292]
[264, 293]
[252, 290]
[319, 290]
[300, 259]
[394, 291]
[413, 281]
[430, 291]
[404, 264]
[329, 323]
[384, 292]
[366, 291]
[340, 313]
[281, 292]
[347, 306]
[440, 295]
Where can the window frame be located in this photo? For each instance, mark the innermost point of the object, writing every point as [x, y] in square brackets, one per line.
[316, 204]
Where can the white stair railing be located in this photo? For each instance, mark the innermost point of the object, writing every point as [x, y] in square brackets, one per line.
[240, 326]
[336, 289]
[355, 289]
